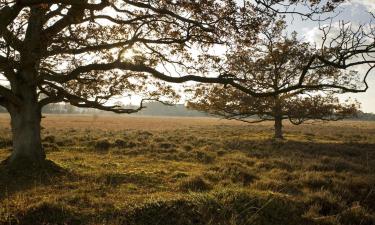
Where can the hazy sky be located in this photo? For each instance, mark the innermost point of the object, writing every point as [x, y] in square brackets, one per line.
[357, 11]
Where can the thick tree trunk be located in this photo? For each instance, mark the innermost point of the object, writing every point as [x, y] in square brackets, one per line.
[25, 123]
[26, 114]
[279, 127]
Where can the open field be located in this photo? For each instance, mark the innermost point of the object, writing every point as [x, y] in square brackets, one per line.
[170, 171]
[123, 122]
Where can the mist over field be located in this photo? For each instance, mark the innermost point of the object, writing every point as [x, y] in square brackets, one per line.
[154, 109]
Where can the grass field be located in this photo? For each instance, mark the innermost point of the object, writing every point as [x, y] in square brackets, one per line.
[172, 171]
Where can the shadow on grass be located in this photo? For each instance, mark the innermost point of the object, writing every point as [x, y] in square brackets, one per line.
[19, 178]
[208, 207]
[269, 146]
[46, 213]
[220, 208]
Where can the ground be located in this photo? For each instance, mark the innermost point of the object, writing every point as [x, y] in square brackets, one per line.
[168, 171]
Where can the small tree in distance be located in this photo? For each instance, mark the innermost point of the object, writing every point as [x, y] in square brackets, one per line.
[274, 64]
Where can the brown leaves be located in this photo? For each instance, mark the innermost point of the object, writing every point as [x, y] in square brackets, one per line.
[277, 63]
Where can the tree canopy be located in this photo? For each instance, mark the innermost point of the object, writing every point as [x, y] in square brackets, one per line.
[275, 63]
[85, 52]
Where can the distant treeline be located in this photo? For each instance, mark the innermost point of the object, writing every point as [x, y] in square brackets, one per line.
[152, 109]
[365, 116]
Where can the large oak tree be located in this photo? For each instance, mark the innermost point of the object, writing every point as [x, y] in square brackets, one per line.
[84, 52]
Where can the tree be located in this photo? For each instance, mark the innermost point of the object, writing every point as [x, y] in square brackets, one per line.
[275, 63]
[83, 52]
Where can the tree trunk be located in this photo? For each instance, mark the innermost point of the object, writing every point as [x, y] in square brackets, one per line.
[26, 114]
[25, 123]
[278, 116]
[278, 127]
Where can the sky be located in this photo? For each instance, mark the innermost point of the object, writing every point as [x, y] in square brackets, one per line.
[356, 12]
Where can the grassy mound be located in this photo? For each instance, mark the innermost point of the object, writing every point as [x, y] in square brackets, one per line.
[226, 207]
[221, 208]
[23, 175]
[46, 213]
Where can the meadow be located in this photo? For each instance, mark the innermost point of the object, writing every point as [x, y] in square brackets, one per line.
[183, 171]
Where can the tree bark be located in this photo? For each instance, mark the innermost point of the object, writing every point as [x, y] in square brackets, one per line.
[278, 116]
[26, 128]
[279, 127]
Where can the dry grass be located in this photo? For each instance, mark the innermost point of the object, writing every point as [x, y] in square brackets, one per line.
[121, 122]
[139, 170]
